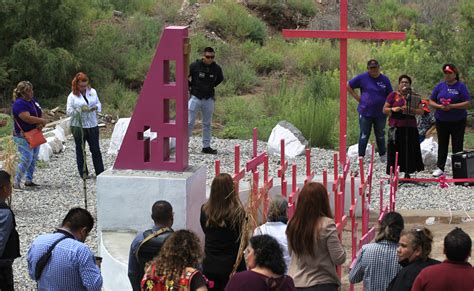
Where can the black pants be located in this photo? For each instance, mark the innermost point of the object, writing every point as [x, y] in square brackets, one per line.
[6, 278]
[445, 129]
[91, 135]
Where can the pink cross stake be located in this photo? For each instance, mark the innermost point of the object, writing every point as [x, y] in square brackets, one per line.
[343, 35]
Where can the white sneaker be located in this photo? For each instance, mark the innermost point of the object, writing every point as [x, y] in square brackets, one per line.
[383, 158]
[438, 172]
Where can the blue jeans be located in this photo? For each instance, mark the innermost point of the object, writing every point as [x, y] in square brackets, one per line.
[365, 124]
[28, 157]
[91, 135]
[206, 106]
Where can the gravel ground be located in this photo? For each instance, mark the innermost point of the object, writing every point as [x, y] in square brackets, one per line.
[41, 210]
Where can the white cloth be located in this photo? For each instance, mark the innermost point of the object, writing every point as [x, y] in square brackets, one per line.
[79, 118]
[278, 231]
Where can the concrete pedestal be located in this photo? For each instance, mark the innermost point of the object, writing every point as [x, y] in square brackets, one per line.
[124, 201]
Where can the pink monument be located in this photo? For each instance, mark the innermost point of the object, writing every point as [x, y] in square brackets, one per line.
[162, 93]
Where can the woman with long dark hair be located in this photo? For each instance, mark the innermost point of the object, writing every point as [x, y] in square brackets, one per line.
[175, 268]
[313, 242]
[82, 105]
[450, 98]
[266, 265]
[222, 217]
[377, 263]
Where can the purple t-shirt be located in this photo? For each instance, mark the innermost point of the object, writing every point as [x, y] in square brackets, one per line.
[452, 94]
[250, 280]
[373, 93]
[21, 105]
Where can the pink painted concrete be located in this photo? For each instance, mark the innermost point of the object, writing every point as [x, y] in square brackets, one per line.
[152, 110]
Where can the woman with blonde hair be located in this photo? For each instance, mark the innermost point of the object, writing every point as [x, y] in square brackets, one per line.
[83, 105]
[313, 241]
[222, 217]
[27, 116]
[175, 268]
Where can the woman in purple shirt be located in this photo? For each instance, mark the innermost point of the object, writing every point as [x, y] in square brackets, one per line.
[450, 98]
[266, 268]
[374, 89]
[27, 116]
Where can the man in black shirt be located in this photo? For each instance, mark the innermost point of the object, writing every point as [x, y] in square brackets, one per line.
[204, 76]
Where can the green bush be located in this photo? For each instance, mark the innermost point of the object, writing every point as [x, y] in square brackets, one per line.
[7, 129]
[412, 57]
[117, 100]
[306, 56]
[391, 14]
[265, 61]
[239, 78]
[304, 7]
[232, 21]
[49, 69]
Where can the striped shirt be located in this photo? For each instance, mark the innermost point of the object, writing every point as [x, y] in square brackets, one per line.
[74, 105]
[377, 264]
[71, 266]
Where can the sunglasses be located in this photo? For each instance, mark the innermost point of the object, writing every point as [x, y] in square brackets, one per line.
[209, 57]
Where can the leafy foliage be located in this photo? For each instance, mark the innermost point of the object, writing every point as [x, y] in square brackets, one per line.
[232, 21]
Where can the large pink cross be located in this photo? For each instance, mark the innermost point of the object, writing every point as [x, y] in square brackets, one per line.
[343, 35]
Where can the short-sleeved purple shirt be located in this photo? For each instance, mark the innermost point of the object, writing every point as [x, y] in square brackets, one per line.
[21, 105]
[452, 94]
[374, 92]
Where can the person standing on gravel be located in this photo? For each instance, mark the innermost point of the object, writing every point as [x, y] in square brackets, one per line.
[450, 98]
[204, 76]
[71, 265]
[147, 244]
[374, 89]
[83, 104]
[27, 116]
[9, 238]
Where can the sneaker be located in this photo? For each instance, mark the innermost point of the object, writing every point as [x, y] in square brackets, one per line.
[31, 184]
[209, 150]
[438, 172]
[383, 158]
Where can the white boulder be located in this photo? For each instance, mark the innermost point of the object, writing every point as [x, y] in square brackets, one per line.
[295, 143]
